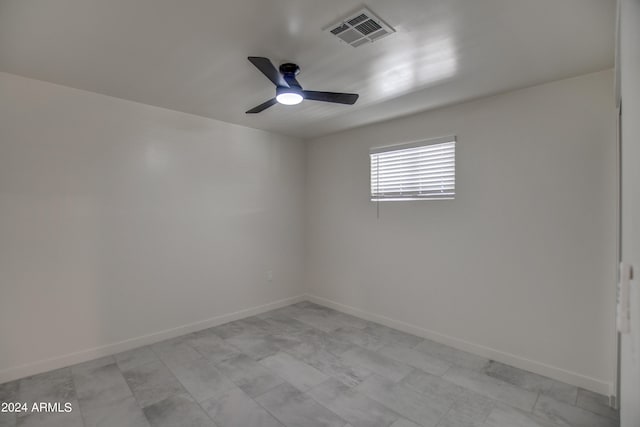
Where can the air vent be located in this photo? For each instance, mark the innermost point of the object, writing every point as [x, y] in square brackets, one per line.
[340, 29]
[360, 28]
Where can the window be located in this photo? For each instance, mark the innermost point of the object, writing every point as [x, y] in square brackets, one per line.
[424, 170]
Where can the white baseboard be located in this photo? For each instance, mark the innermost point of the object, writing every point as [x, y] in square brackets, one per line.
[559, 374]
[556, 373]
[40, 366]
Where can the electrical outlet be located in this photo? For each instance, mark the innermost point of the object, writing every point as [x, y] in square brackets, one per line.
[269, 276]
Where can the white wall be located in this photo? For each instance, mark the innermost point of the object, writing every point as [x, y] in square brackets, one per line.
[121, 224]
[120, 220]
[630, 89]
[520, 267]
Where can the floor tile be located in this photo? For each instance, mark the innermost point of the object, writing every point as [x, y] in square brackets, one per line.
[320, 321]
[255, 322]
[358, 337]
[491, 387]
[506, 416]
[212, 347]
[533, 382]
[472, 407]
[392, 336]
[457, 419]
[296, 409]
[405, 401]
[354, 407]
[451, 355]
[235, 408]
[104, 396]
[202, 380]
[568, 415]
[330, 364]
[596, 403]
[351, 321]
[238, 327]
[415, 358]
[278, 323]
[467, 406]
[323, 340]
[136, 357]
[104, 383]
[286, 341]
[253, 378]
[9, 391]
[151, 383]
[318, 317]
[54, 386]
[179, 410]
[257, 346]
[176, 351]
[432, 385]
[342, 318]
[377, 363]
[298, 366]
[403, 422]
[7, 419]
[289, 311]
[121, 412]
[294, 371]
[69, 419]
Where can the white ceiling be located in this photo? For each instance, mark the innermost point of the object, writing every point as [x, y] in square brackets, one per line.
[190, 55]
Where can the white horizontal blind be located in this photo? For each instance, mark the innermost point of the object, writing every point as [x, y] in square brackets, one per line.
[417, 171]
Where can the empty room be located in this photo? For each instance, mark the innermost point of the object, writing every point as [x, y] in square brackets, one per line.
[299, 213]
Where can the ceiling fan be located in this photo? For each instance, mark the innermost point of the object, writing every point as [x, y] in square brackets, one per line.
[289, 91]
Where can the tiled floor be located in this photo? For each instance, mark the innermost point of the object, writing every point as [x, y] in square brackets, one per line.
[303, 366]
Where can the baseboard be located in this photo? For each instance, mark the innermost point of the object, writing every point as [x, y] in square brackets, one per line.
[559, 374]
[556, 373]
[29, 369]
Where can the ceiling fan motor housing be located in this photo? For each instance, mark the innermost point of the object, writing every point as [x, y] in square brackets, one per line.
[289, 69]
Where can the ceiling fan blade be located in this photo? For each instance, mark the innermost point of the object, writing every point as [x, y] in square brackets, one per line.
[338, 98]
[267, 68]
[262, 106]
[291, 81]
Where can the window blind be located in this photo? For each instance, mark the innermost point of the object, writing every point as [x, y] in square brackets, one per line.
[417, 171]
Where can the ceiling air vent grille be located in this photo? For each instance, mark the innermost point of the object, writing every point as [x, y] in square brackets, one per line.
[360, 28]
[340, 29]
[358, 19]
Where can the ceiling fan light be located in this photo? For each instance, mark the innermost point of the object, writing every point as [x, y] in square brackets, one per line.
[288, 96]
